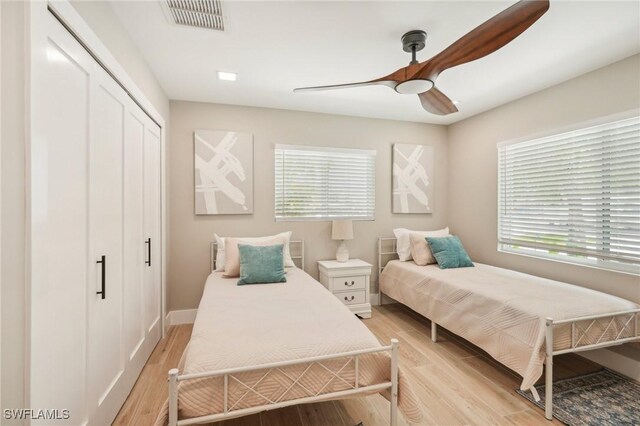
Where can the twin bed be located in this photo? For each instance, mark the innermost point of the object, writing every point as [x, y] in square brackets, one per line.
[520, 320]
[261, 347]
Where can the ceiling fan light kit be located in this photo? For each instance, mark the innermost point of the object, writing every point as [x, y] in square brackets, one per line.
[414, 87]
[418, 78]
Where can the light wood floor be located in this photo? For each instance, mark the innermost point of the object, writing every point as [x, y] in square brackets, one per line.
[458, 383]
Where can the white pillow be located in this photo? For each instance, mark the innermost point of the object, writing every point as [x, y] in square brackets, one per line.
[220, 254]
[403, 245]
[420, 250]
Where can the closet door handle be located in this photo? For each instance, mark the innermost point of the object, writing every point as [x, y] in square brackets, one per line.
[148, 243]
[103, 261]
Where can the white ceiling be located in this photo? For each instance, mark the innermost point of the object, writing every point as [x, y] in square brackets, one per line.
[275, 46]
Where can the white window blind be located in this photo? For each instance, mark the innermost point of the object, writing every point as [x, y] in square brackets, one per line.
[574, 196]
[314, 183]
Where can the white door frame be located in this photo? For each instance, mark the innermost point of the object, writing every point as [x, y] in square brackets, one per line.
[85, 35]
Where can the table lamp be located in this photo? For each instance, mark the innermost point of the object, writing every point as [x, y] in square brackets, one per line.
[342, 230]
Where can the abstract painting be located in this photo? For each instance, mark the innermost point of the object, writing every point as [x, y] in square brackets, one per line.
[412, 178]
[223, 172]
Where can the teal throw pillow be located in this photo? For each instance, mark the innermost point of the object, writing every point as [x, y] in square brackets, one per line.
[261, 264]
[449, 252]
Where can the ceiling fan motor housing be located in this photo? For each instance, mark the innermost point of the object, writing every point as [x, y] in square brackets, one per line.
[414, 41]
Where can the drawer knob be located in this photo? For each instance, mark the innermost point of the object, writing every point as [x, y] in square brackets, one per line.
[349, 285]
[349, 300]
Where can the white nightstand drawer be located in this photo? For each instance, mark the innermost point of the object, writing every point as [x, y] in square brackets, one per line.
[349, 282]
[356, 282]
[352, 297]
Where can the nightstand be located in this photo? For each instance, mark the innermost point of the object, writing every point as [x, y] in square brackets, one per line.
[349, 282]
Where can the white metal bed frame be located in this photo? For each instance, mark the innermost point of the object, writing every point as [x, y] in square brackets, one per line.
[387, 249]
[231, 375]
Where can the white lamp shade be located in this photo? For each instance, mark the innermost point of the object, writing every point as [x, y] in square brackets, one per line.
[342, 230]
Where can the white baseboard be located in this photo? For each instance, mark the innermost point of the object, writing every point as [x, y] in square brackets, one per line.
[185, 316]
[620, 359]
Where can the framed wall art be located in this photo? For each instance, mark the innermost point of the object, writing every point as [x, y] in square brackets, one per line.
[223, 172]
[412, 178]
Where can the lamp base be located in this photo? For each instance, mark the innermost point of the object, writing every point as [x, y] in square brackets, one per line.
[342, 254]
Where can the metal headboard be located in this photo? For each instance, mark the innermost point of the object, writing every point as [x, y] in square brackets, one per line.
[296, 247]
[387, 250]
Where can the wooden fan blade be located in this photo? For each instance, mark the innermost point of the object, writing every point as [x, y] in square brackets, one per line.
[487, 38]
[436, 102]
[387, 83]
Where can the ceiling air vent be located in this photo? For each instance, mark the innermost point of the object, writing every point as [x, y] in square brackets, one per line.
[195, 13]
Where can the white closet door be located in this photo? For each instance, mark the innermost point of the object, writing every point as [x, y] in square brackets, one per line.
[59, 225]
[106, 362]
[95, 199]
[152, 228]
[134, 246]
[139, 341]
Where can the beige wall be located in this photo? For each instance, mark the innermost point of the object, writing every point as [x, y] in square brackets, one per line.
[191, 234]
[473, 167]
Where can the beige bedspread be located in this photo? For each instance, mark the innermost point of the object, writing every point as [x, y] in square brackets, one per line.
[502, 311]
[247, 325]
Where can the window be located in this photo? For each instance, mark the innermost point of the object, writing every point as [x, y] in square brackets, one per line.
[574, 197]
[314, 183]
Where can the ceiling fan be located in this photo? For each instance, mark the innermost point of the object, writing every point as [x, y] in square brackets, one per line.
[419, 78]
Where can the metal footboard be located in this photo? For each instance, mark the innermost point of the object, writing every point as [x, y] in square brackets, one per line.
[627, 323]
[355, 388]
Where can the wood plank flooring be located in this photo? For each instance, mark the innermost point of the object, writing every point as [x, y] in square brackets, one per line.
[458, 383]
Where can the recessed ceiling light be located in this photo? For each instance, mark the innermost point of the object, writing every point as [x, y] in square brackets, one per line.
[227, 76]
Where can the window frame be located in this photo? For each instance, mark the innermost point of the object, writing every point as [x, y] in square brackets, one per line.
[542, 253]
